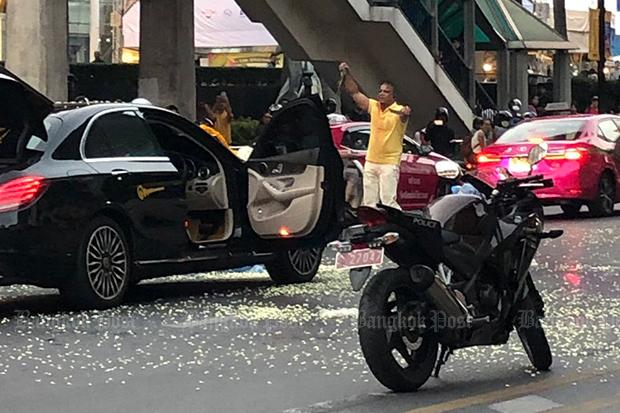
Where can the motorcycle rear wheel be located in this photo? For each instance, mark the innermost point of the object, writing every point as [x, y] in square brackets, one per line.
[399, 358]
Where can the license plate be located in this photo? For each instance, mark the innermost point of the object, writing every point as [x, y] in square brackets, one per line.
[359, 258]
[519, 165]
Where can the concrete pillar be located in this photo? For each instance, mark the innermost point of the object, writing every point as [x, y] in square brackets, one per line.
[503, 78]
[95, 32]
[167, 70]
[562, 77]
[519, 86]
[37, 44]
[2, 34]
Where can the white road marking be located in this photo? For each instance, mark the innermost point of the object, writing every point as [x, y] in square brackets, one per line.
[525, 404]
[338, 313]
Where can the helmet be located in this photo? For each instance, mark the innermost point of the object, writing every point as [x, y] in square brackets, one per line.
[441, 116]
[529, 115]
[208, 122]
[331, 105]
[504, 119]
[515, 105]
[489, 114]
[141, 101]
[442, 113]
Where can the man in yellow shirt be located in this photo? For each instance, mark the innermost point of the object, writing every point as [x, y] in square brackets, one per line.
[388, 122]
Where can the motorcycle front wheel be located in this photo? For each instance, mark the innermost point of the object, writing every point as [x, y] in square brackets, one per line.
[397, 353]
[532, 334]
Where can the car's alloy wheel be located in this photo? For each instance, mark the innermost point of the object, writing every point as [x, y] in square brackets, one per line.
[106, 263]
[103, 270]
[305, 261]
[605, 201]
[295, 266]
[607, 195]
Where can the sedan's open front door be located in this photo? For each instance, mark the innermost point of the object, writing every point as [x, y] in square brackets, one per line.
[296, 188]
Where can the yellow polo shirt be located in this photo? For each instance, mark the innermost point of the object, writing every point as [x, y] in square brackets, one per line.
[387, 131]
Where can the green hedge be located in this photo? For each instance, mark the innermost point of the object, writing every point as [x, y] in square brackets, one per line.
[584, 89]
[244, 131]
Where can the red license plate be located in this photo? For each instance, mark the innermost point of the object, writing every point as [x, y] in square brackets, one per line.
[359, 258]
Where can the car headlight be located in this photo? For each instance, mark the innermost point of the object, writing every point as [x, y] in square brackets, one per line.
[448, 169]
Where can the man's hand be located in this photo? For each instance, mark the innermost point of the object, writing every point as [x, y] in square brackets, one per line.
[351, 86]
[404, 113]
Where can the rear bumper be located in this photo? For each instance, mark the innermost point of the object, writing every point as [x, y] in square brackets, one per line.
[571, 182]
[18, 267]
[31, 253]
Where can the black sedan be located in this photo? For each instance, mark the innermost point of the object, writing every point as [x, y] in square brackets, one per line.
[94, 199]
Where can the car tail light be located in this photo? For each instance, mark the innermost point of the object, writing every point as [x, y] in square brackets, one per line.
[570, 154]
[20, 192]
[371, 216]
[485, 158]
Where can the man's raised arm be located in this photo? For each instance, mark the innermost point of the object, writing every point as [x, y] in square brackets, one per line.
[351, 86]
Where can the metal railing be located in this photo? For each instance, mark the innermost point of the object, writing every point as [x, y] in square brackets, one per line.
[441, 46]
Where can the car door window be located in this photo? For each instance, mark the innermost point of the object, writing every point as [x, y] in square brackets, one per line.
[357, 140]
[121, 135]
[608, 130]
[410, 147]
[297, 130]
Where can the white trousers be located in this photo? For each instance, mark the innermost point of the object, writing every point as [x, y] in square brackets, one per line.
[381, 184]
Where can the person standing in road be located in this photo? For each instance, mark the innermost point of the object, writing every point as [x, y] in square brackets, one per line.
[483, 137]
[440, 135]
[388, 122]
[593, 109]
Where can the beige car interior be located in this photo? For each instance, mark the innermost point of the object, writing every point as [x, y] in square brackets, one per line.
[281, 204]
[210, 215]
[210, 218]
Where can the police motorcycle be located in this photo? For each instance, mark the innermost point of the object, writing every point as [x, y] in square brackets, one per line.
[462, 278]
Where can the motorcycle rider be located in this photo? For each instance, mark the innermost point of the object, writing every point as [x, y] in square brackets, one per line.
[503, 122]
[439, 135]
[515, 106]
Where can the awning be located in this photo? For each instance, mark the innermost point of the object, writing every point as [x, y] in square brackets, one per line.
[217, 24]
[520, 29]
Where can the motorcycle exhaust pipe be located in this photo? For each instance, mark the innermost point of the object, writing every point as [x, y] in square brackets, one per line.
[426, 281]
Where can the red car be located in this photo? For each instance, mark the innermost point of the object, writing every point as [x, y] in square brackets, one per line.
[419, 182]
[583, 159]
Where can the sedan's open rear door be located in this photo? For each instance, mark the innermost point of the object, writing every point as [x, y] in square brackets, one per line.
[296, 188]
[22, 111]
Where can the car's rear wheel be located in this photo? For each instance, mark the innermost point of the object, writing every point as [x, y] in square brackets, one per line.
[103, 271]
[571, 210]
[603, 205]
[295, 266]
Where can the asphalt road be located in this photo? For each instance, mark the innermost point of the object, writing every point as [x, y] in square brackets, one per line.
[234, 342]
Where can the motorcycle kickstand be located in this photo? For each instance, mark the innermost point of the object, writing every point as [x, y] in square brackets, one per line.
[446, 352]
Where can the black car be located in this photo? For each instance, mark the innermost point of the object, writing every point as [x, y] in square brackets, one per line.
[94, 199]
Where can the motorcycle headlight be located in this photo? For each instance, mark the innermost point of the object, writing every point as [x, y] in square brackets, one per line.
[448, 169]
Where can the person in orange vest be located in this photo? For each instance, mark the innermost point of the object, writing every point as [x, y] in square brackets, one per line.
[207, 126]
[222, 116]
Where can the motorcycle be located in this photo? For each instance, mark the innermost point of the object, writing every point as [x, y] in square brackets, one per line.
[462, 278]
